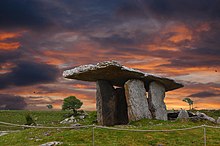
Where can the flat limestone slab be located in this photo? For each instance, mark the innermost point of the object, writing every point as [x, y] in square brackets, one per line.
[117, 74]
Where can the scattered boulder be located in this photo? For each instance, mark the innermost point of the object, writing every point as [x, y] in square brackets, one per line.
[69, 120]
[191, 114]
[183, 114]
[73, 119]
[82, 117]
[53, 143]
[205, 117]
[76, 125]
[218, 120]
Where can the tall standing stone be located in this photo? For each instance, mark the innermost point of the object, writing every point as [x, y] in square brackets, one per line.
[136, 100]
[105, 102]
[156, 95]
[121, 112]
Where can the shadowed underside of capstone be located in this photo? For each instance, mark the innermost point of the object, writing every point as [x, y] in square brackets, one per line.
[127, 102]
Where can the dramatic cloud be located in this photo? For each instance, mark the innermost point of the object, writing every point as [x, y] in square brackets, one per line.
[204, 94]
[29, 73]
[41, 38]
[22, 14]
[12, 102]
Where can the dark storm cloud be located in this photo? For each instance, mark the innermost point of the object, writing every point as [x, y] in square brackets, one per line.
[29, 73]
[173, 9]
[6, 56]
[204, 94]
[22, 14]
[115, 40]
[192, 61]
[12, 102]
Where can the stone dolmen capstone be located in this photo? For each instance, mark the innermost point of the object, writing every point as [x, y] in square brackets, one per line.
[121, 92]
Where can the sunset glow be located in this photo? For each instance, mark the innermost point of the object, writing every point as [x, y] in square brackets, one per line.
[175, 40]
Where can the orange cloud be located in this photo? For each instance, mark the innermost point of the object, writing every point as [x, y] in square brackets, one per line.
[9, 46]
[203, 27]
[7, 35]
[181, 33]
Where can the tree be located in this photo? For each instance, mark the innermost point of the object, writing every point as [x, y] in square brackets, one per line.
[189, 101]
[49, 106]
[72, 103]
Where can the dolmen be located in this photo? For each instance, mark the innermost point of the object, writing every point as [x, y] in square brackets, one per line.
[121, 92]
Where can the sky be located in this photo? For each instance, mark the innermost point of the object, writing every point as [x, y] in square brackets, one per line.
[39, 39]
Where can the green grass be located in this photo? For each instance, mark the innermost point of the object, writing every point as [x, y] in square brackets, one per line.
[34, 137]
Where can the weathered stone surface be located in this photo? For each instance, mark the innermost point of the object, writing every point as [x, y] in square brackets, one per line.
[136, 100]
[205, 117]
[117, 74]
[105, 103]
[218, 120]
[156, 95]
[121, 116]
[183, 114]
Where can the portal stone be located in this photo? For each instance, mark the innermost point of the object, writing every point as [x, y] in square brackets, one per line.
[156, 95]
[136, 100]
[121, 112]
[105, 103]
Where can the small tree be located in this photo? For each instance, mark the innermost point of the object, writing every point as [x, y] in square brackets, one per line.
[49, 106]
[72, 103]
[189, 101]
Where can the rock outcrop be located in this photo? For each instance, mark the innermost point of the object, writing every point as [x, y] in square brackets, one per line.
[205, 117]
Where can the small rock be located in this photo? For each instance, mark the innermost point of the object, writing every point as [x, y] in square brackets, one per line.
[82, 117]
[47, 133]
[3, 133]
[53, 143]
[183, 114]
[75, 125]
[69, 120]
[204, 116]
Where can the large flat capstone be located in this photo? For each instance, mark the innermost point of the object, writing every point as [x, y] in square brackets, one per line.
[117, 74]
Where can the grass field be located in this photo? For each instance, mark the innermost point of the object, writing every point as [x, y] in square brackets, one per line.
[32, 137]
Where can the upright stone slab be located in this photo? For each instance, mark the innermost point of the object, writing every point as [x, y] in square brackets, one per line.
[156, 95]
[105, 103]
[121, 112]
[136, 100]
